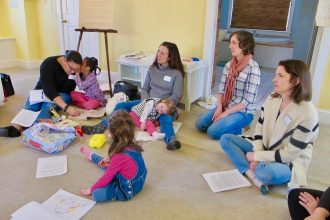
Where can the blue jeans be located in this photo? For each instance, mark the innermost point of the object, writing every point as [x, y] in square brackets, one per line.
[269, 173]
[44, 106]
[166, 121]
[231, 124]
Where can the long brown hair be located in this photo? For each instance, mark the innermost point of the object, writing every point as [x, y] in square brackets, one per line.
[121, 128]
[174, 57]
[298, 71]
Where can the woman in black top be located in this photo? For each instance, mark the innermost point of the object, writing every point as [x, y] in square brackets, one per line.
[309, 204]
[56, 82]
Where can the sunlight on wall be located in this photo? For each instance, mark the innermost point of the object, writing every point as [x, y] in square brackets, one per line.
[323, 102]
[49, 41]
[4, 21]
[18, 29]
[144, 24]
[32, 29]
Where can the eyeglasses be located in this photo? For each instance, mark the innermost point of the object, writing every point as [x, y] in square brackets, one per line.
[72, 68]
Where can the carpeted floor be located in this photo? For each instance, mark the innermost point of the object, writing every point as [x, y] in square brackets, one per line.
[174, 189]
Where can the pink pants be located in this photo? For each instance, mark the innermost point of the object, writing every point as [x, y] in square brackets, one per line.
[83, 101]
[149, 124]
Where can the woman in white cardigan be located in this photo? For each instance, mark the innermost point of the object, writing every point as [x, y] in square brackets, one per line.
[281, 149]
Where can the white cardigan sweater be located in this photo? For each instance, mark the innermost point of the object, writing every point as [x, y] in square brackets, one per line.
[288, 137]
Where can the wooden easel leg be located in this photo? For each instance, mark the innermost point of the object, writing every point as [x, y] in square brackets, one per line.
[108, 64]
[79, 41]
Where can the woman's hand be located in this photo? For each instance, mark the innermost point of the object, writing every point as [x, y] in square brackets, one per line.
[308, 202]
[85, 192]
[72, 111]
[250, 156]
[216, 115]
[253, 165]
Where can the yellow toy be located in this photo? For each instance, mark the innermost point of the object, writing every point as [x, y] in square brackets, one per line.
[97, 141]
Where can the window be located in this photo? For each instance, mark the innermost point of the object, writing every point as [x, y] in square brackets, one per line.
[264, 17]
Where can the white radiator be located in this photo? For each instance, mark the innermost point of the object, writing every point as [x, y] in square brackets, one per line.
[266, 56]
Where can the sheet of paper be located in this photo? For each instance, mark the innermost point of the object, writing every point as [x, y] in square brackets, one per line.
[33, 210]
[226, 180]
[25, 118]
[143, 136]
[51, 166]
[37, 96]
[67, 205]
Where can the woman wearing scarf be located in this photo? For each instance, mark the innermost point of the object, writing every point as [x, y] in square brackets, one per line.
[237, 91]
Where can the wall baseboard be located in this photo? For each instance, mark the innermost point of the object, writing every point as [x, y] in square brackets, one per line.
[8, 63]
[35, 64]
[11, 63]
[324, 116]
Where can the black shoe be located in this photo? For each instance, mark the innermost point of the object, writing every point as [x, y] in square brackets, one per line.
[264, 189]
[173, 144]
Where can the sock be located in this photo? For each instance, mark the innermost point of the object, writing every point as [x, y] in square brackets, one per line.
[253, 178]
[86, 152]
[9, 131]
[157, 135]
[99, 128]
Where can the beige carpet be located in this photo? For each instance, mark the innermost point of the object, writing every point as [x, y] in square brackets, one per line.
[174, 189]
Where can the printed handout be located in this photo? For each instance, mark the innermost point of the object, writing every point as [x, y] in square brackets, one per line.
[25, 118]
[51, 166]
[37, 96]
[226, 180]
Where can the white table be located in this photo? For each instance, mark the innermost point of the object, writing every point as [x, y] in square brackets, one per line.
[135, 71]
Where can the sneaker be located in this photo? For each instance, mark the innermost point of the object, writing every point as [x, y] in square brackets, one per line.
[264, 189]
[173, 144]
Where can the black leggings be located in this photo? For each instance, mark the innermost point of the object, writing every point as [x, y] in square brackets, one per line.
[297, 211]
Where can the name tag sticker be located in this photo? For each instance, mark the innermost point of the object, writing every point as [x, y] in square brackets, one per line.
[73, 77]
[167, 78]
[287, 120]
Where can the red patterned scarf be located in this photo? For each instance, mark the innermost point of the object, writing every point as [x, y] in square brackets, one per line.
[235, 68]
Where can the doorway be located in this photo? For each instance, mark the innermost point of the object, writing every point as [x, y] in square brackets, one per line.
[68, 14]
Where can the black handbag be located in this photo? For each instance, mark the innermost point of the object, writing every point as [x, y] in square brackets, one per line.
[129, 89]
[8, 89]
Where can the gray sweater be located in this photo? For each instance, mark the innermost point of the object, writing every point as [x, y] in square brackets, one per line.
[163, 82]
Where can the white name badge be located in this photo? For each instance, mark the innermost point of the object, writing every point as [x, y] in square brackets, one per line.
[73, 77]
[287, 120]
[167, 78]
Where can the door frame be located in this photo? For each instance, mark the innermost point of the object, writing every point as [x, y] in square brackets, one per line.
[90, 37]
[210, 39]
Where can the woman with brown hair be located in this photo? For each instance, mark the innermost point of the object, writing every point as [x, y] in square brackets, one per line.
[281, 149]
[163, 80]
[237, 91]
